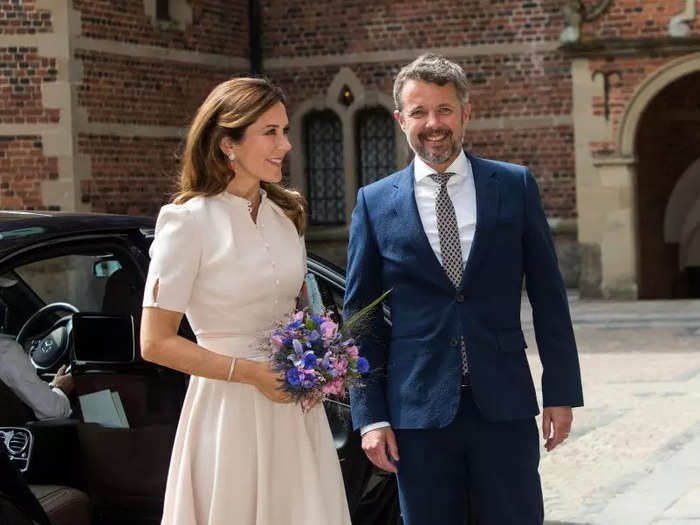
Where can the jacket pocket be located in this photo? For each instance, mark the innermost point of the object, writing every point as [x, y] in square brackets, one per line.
[511, 340]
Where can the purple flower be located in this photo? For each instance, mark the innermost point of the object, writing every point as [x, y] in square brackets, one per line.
[308, 380]
[294, 377]
[316, 319]
[362, 365]
[294, 325]
[309, 360]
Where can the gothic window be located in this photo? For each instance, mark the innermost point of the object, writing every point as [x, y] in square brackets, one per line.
[325, 168]
[376, 144]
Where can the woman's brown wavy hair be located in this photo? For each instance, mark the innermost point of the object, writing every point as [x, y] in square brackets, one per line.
[227, 112]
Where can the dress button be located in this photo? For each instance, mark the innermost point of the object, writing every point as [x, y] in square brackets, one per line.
[276, 301]
[277, 282]
[453, 341]
[460, 298]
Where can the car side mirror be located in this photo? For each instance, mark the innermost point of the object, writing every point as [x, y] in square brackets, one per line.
[105, 267]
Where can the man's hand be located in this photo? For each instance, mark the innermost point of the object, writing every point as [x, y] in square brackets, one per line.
[375, 444]
[63, 381]
[556, 425]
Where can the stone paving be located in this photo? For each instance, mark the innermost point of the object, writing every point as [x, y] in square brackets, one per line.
[633, 456]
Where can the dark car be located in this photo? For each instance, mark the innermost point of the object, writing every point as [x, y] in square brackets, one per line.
[70, 292]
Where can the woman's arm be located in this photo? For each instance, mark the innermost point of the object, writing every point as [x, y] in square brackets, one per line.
[160, 344]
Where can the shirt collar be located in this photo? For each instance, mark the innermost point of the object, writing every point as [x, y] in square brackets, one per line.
[461, 167]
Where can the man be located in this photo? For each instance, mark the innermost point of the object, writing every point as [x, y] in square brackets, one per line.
[47, 401]
[451, 407]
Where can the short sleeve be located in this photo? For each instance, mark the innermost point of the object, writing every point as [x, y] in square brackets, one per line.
[175, 257]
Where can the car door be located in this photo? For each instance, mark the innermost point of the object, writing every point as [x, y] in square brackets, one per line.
[123, 469]
[372, 493]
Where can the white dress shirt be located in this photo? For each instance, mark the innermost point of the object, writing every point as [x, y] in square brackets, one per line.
[18, 373]
[462, 192]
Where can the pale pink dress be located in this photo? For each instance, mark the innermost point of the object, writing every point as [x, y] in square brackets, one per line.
[238, 457]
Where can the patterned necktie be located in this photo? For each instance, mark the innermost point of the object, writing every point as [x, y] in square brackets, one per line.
[450, 245]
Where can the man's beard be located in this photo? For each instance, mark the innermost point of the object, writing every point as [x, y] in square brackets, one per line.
[437, 157]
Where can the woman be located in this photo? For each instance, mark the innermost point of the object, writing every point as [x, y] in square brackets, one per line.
[229, 252]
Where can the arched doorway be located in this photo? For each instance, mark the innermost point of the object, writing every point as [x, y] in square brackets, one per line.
[667, 145]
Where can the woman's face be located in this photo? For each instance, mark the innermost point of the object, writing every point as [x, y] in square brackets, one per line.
[261, 152]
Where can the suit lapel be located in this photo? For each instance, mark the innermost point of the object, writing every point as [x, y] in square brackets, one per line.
[409, 221]
[486, 184]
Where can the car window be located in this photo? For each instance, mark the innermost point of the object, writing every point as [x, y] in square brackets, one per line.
[78, 279]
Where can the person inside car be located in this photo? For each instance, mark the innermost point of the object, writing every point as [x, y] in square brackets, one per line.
[47, 400]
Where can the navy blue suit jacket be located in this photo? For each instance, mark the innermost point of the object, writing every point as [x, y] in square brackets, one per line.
[416, 363]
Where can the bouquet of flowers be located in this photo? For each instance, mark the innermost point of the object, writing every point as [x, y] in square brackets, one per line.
[316, 357]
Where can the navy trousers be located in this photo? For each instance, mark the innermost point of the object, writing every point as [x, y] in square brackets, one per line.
[497, 463]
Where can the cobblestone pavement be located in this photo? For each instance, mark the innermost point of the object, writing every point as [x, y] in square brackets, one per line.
[633, 456]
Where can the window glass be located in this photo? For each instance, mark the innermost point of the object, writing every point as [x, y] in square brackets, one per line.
[377, 145]
[325, 168]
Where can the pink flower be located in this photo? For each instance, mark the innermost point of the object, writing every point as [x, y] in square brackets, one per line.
[352, 351]
[342, 366]
[329, 329]
[299, 316]
[335, 387]
[276, 340]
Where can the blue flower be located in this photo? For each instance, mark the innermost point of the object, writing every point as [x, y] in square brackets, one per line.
[294, 325]
[308, 381]
[293, 377]
[316, 319]
[362, 365]
[309, 360]
[287, 341]
[314, 336]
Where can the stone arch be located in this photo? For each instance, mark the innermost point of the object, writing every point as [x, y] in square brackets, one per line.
[645, 93]
[666, 184]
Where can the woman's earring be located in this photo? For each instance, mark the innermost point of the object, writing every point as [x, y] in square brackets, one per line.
[232, 156]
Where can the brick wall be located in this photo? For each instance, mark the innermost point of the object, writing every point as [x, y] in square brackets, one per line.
[23, 167]
[23, 18]
[132, 90]
[548, 152]
[297, 28]
[23, 72]
[627, 19]
[218, 26]
[133, 175]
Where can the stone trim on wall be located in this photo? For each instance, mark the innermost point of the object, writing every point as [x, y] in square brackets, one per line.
[407, 55]
[161, 53]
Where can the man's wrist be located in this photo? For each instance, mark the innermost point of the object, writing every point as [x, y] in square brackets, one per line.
[373, 426]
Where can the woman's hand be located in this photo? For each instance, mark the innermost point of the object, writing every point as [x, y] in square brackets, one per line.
[268, 381]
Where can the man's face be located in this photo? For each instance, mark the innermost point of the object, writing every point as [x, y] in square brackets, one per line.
[433, 120]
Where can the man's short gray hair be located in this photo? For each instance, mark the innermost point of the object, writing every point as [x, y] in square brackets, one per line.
[434, 69]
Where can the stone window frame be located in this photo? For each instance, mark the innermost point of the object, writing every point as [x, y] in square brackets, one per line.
[363, 99]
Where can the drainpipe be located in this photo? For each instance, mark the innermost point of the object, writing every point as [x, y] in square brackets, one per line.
[255, 31]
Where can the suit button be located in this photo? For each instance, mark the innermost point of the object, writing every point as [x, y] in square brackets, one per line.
[460, 298]
[453, 341]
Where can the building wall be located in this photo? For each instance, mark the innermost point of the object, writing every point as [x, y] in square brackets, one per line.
[96, 98]
[101, 94]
